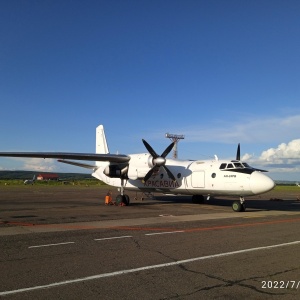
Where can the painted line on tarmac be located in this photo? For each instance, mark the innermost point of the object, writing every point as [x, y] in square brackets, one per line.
[166, 232]
[50, 245]
[114, 237]
[128, 271]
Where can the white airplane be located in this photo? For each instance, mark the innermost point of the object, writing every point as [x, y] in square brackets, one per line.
[30, 181]
[150, 172]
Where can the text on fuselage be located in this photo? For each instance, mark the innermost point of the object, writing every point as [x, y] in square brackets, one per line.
[161, 184]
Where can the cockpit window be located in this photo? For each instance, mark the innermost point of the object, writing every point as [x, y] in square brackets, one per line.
[223, 166]
[234, 165]
[238, 165]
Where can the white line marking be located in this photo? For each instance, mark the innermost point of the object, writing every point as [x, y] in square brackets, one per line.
[49, 245]
[166, 232]
[122, 272]
[115, 237]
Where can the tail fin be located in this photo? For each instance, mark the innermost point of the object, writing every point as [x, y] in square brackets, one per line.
[101, 144]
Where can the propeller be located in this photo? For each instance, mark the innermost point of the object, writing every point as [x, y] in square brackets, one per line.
[158, 161]
[238, 152]
[238, 157]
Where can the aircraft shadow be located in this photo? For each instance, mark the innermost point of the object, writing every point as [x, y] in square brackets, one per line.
[252, 204]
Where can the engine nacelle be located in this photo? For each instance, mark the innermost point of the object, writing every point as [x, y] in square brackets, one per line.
[139, 165]
[116, 171]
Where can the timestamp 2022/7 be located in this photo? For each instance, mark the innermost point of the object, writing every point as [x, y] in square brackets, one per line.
[281, 284]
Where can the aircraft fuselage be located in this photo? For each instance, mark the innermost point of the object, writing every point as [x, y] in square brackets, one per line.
[203, 177]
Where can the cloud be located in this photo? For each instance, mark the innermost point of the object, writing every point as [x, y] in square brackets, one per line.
[38, 165]
[35, 164]
[283, 152]
[246, 130]
[284, 158]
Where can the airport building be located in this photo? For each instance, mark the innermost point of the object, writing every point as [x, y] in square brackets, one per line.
[49, 176]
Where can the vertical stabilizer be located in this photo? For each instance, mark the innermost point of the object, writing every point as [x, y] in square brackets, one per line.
[101, 144]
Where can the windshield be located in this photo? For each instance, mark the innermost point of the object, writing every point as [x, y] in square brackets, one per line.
[238, 165]
[246, 165]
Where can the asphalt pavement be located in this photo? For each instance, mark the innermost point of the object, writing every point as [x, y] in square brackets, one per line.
[65, 243]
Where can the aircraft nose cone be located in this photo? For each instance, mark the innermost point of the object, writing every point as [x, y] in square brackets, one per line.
[260, 183]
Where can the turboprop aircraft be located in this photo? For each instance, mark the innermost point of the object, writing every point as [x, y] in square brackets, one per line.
[150, 172]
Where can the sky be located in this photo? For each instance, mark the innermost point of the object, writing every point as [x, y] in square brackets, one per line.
[219, 72]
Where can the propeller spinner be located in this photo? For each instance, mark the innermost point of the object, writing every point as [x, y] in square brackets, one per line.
[158, 161]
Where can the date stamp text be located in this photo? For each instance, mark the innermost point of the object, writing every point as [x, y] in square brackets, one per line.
[289, 284]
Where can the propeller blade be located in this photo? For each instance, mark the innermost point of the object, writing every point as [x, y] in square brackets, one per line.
[150, 149]
[238, 152]
[169, 173]
[149, 174]
[168, 150]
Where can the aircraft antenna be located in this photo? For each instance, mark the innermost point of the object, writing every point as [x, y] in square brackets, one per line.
[175, 138]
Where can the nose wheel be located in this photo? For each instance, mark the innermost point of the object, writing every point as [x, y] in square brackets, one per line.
[239, 206]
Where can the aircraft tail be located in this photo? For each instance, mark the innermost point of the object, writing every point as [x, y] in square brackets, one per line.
[101, 144]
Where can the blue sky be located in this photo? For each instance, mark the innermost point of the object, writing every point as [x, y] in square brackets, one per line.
[219, 72]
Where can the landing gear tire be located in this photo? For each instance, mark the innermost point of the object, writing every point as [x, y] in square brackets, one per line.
[237, 206]
[119, 199]
[198, 199]
[126, 199]
[122, 199]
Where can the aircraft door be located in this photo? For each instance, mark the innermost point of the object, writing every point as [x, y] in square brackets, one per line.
[198, 179]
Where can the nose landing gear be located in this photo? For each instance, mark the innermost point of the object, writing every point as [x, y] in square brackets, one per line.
[239, 206]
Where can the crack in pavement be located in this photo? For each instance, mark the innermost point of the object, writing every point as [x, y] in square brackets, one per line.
[228, 283]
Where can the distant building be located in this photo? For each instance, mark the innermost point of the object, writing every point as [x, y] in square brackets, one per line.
[47, 177]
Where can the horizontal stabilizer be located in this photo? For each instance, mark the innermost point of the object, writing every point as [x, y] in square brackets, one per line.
[93, 167]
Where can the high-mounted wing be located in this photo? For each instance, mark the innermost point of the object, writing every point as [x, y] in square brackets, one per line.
[115, 158]
[78, 164]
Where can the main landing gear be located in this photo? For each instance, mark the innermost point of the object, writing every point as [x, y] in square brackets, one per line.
[122, 199]
[239, 206]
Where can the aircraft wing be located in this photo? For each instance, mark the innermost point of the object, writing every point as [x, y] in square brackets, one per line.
[74, 163]
[115, 158]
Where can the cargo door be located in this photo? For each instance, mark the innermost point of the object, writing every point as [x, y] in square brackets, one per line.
[198, 179]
